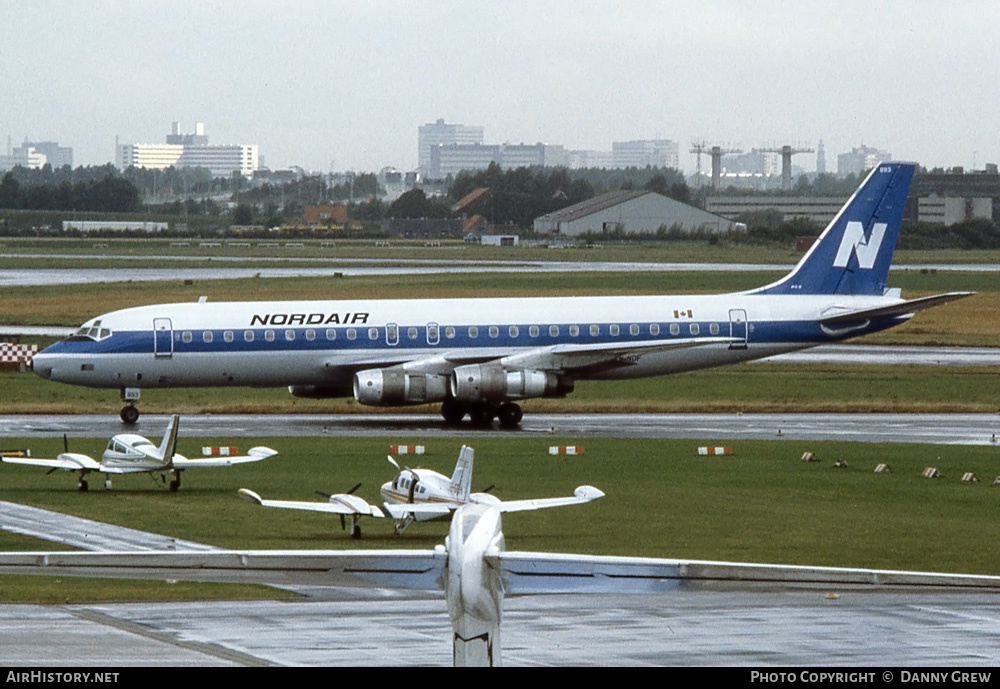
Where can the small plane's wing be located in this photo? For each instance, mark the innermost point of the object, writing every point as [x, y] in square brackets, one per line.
[580, 495]
[69, 461]
[407, 569]
[255, 454]
[424, 509]
[904, 308]
[537, 573]
[342, 503]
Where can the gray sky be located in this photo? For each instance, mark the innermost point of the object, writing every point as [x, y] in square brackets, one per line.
[350, 81]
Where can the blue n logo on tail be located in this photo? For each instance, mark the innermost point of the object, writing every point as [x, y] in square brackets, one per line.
[853, 254]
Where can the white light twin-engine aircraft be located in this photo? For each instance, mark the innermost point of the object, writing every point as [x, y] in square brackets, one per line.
[133, 454]
[421, 495]
[479, 357]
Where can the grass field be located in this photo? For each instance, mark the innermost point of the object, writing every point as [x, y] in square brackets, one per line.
[762, 504]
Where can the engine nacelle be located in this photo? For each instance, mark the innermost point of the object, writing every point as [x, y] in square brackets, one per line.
[492, 382]
[319, 392]
[393, 386]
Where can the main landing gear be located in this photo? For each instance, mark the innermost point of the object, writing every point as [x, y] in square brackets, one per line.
[482, 413]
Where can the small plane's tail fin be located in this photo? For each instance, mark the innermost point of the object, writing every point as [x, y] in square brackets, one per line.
[168, 447]
[853, 254]
[461, 480]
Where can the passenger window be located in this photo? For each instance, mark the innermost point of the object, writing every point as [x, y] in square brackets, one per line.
[372, 334]
[392, 334]
[310, 335]
[553, 331]
[574, 330]
[675, 329]
[449, 332]
[633, 329]
[713, 328]
[331, 334]
[186, 336]
[494, 331]
[614, 329]
[513, 331]
[206, 336]
[695, 329]
[411, 333]
[533, 330]
[290, 335]
[248, 335]
[654, 329]
[433, 334]
[595, 330]
[269, 335]
[352, 334]
[228, 336]
[473, 331]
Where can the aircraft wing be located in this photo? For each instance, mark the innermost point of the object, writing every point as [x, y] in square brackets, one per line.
[339, 504]
[901, 309]
[581, 495]
[255, 454]
[406, 569]
[522, 572]
[69, 461]
[423, 509]
[537, 573]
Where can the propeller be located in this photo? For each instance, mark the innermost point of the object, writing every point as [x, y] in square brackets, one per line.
[488, 488]
[392, 461]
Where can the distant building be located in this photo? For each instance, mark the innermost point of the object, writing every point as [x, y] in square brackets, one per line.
[328, 214]
[190, 151]
[439, 133]
[114, 225]
[819, 209]
[450, 159]
[860, 160]
[631, 212]
[55, 155]
[645, 153]
[25, 156]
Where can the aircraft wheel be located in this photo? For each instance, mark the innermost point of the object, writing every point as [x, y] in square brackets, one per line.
[83, 486]
[453, 411]
[510, 415]
[175, 486]
[356, 532]
[107, 484]
[129, 414]
[482, 414]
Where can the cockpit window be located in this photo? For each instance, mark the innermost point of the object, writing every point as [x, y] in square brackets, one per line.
[92, 332]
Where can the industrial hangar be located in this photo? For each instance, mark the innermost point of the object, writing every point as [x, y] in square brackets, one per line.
[629, 212]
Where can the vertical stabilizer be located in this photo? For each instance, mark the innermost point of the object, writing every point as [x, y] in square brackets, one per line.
[169, 444]
[854, 253]
[461, 480]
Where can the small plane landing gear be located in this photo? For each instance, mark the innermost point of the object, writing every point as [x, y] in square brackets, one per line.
[129, 414]
[82, 486]
[175, 484]
[107, 484]
[355, 531]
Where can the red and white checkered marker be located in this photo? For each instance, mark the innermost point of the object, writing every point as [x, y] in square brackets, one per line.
[406, 449]
[219, 451]
[715, 450]
[565, 450]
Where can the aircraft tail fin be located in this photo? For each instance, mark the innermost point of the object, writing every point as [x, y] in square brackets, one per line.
[461, 480]
[854, 253]
[168, 446]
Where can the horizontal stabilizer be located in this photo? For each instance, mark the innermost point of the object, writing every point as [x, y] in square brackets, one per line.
[900, 309]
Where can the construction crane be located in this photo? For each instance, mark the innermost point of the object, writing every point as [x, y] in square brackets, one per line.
[786, 162]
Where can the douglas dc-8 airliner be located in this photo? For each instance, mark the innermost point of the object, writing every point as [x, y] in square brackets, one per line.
[480, 356]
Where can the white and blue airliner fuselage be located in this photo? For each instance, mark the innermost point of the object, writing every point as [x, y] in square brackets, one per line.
[480, 356]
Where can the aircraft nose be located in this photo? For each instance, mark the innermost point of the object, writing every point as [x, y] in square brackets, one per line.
[41, 364]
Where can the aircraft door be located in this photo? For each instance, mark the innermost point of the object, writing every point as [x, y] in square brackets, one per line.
[163, 338]
[738, 328]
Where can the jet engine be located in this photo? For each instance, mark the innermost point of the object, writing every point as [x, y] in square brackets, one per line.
[390, 386]
[493, 382]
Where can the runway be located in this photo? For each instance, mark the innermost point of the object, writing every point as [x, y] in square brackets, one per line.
[684, 629]
[940, 429]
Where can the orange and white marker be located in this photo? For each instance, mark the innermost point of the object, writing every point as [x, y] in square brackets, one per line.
[715, 450]
[566, 450]
[406, 449]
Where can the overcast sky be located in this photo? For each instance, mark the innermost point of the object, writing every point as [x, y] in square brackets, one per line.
[348, 82]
